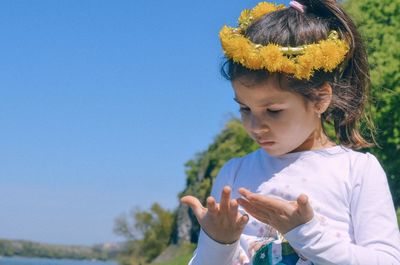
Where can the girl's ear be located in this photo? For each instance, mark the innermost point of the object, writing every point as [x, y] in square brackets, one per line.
[324, 93]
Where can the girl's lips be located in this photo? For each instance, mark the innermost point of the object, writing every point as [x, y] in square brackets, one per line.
[265, 143]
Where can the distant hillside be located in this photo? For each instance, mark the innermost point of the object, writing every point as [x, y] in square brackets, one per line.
[25, 248]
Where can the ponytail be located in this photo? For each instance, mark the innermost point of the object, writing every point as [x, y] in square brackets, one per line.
[352, 82]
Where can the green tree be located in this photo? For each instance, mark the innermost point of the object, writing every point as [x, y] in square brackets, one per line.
[148, 233]
[379, 23]
[156, 230]
[6, 248]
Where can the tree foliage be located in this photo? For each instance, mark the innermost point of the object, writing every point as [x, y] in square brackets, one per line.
[379, 23]
[148, 233]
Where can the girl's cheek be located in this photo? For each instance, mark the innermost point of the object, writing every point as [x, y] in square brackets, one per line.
[245, 120]
[246, 125]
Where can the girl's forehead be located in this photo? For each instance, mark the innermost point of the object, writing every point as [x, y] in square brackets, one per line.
[269, 85]
[266, 92]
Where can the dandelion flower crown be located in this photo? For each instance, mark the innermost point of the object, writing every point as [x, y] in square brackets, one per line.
[301, 61]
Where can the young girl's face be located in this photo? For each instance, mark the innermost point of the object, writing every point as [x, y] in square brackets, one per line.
[279, 121]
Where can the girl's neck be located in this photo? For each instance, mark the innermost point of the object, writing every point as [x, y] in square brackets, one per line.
[316, 141]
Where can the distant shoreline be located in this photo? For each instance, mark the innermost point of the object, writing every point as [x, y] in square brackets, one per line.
[53, 258]
[30, 249]
[17, 260]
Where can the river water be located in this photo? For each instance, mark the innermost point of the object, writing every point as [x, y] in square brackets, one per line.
[40, 261]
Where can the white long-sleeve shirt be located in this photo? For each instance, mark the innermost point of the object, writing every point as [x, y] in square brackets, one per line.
[354, 218]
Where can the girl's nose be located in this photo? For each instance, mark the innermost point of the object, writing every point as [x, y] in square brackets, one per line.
[258, 125]
[260, 132]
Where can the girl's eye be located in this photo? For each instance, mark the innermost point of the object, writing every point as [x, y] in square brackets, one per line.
[244, 110]
[272, 111]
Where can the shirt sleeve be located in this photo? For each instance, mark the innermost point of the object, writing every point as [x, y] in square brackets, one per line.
[376, 233]
[208, 251]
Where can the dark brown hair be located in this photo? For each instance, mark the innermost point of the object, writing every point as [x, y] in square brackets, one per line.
[349, 81]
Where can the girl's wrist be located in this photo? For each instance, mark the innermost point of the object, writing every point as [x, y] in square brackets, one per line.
[220, 240]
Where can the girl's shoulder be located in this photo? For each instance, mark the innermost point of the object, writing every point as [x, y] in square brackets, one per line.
[362, 159]
[363, 166]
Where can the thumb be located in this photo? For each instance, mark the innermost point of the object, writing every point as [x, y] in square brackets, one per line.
[193, 203]
[305, 208]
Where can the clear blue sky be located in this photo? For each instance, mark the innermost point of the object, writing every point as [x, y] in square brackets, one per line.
[101, 104]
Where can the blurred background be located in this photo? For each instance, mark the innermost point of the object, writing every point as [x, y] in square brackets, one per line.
[101, 104]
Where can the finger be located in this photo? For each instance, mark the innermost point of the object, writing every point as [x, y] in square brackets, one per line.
[251, 197]
[305, 208]
[225, 198]
[243, 220]
[212, 205]
[247, 206]
[233, 208]
[302, 199]
[245, 192]
[264, 201]
[244, 203]
[259, 213]
[194, 204]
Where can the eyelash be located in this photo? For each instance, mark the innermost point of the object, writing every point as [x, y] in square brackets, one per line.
[274, 111]
[242, 109]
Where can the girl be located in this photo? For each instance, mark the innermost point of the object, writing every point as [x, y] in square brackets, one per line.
[301, 198]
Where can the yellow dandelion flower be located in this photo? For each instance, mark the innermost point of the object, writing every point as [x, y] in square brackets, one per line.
[224, 35]
[288, 66]
[244, 18]
[272, 57]
[331, 55]
[254, 61]
[314, 51]
[305, 66]
[302, 73]
[264, 8]
[241, 50]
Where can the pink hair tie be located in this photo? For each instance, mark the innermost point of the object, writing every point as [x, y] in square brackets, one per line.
[296, 5]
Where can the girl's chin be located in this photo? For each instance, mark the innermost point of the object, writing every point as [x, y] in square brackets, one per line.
[273, 154]
[272, 149]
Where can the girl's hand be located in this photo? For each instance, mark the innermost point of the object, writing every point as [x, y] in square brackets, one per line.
[222, 222]
[280, 214]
